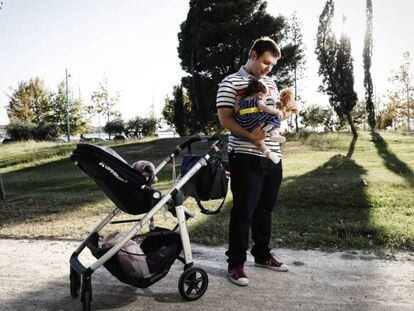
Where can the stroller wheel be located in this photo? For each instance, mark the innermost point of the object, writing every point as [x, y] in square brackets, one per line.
[193, 283]
[75, 283]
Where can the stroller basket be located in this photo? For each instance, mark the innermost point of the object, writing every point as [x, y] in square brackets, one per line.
[117, 179]
[160, 251]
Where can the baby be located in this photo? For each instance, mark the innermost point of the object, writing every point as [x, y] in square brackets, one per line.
[252, 110]
[147, 169]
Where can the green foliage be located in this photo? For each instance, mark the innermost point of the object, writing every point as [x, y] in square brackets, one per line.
[336, 66]
[214, 41]
[315, 116]
[103, 102]
[116, 126]
[30, 101]
[401, 95]
[25, 130]
[176, 111]
[77, 120]
[45, 131]
[20, 130]
[149, 126]
[360, 115]
[140, 127]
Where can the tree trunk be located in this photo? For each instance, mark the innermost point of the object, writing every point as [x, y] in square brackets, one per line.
[351, 124]
[351, 148]
[297, 123]
[371, 114]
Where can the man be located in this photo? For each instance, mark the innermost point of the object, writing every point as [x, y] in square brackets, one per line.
[255, 180]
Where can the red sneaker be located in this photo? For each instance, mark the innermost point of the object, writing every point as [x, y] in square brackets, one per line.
[237, 276]
[272, 263]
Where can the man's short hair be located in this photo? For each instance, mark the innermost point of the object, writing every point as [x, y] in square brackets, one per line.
[265, 44]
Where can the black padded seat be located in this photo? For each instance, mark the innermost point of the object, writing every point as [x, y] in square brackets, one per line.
[117, 179]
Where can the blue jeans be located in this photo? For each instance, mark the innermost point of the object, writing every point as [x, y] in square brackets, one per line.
[255, 183]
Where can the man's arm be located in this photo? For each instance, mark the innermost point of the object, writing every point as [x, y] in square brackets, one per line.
[226, 118]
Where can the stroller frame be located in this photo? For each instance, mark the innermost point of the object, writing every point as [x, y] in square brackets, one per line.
[191, 275]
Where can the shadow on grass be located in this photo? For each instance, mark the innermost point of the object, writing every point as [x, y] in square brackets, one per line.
[326, 207]
[391, 161]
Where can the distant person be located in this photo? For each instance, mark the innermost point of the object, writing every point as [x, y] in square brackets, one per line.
[255, 178]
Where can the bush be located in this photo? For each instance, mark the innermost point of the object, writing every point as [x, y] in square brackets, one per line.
[45, 131]
[25, 130]
[20, 130]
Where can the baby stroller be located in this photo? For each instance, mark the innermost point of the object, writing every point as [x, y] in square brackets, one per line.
[133, 194]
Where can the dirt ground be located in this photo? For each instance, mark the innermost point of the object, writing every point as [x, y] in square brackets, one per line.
[34, 276]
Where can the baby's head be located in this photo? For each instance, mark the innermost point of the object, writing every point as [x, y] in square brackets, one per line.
[256, 86]
[146, 168]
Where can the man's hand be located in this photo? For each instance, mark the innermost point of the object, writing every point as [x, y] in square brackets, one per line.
[258, 133]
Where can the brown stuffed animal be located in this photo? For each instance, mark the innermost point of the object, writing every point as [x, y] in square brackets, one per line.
[287, 102]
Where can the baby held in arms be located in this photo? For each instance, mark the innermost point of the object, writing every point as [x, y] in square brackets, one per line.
[252, 110]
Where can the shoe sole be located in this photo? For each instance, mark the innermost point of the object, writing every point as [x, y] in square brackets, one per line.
[278, 269]
[235, 282]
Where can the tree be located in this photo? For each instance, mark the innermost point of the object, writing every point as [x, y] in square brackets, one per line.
[139, 127]
[386, 116]
[30, 101]
[77, 120]
[336, 67]
[176, 111]
[104, 102]
[315, 116]
[360, 115]
[214, 42]
[116, 126]
[367, 55]
[401, 96]
[149, 126]
[294, 38]
[25, 130]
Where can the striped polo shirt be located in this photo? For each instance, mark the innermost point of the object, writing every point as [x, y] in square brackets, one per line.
[229, 88]
[250, 116]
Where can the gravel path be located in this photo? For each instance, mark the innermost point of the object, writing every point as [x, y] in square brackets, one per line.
[34, 276]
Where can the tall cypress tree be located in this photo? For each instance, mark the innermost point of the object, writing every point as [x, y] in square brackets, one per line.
[344, 75]
[367, 55]
[336, 67]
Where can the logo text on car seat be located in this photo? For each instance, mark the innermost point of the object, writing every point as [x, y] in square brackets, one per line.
[113, 173]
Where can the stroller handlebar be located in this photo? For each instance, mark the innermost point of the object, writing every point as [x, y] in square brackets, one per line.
[187, 144]
[194, 139]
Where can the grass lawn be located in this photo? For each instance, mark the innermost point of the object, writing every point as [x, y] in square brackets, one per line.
[336, 193]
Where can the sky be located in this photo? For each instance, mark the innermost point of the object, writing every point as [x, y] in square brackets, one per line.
[133, 44]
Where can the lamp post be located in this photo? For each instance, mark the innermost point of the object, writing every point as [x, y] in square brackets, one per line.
[67, 105]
